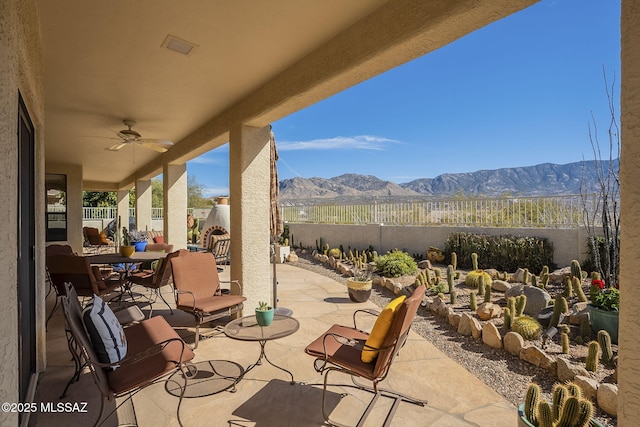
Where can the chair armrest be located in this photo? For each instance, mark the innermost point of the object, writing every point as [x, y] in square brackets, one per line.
[369, 311]
[193, 297]
[232, 282]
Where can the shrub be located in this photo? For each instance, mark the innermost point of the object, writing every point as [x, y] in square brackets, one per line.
[395, 264]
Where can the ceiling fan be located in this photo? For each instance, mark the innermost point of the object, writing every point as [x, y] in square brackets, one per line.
[129, 136]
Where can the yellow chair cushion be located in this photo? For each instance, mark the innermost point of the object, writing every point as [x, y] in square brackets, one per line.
[380, 329]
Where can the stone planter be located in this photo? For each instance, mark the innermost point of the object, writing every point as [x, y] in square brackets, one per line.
[603, 319]
[359, 291]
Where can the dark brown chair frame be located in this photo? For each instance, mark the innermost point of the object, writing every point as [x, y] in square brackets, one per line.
[93, 240]
[154, 280]
[197, 287]
[157, 361]
[51, 250]
[340, 347]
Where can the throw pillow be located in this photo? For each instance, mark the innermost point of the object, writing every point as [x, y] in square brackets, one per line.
[105, 332]
[158, 239]
[380, 329]
[103, 238]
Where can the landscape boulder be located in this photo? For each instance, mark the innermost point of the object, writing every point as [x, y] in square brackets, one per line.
[500, 285]
[469, 326]
[537, 298]
[567, 371]
[588, 385]
[488, 310]
[607, 397]
[513, 343]
[491, 336]
[538, 357]
[425, 264]
[454, 319]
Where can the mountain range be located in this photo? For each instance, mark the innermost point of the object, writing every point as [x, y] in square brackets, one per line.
[546, 179]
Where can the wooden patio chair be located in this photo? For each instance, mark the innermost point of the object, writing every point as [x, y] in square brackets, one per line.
[154, 352]
[197, 289]
[367, 355]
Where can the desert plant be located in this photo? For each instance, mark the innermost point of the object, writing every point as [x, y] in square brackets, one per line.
[604, 339]
[335, 253]
[395, 264]
[567, 410]
[576, 270]
[474, 278]
[528, 327]
[506, 313]
[559, 395]
[531, 400]
[487, 292]
[474, 261]
[577, 289]
[592, 356]
[559, 307]
[454, 261]
[568, 290]
[263, 306]
[511, 306]
[585, 329]
[473, 304]
[521, 303]
[564, 342]
[525, 276]
[453, 296]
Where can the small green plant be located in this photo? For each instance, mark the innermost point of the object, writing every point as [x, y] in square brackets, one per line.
[604, 339]
[521, 303]
[567, 410]
[395, 264]
[607, 299]
[564, 342]
[577, 289]
[592, 356]
[473, 304]
[263, 306]
[528, 327]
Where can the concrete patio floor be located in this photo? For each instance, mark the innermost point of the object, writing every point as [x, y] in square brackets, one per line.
[264, 397]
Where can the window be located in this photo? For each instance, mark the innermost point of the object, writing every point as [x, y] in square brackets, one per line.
[56, 215]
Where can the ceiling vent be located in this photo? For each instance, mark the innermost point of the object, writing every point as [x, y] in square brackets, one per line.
[179, 45]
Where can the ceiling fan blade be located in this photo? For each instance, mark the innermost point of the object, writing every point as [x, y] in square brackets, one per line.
[159, 145]
[116, 147]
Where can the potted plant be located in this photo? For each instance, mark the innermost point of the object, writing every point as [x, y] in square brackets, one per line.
[264, 314]
[126, 248]
[568, 408]
[359, 285]
[138, 239]
[604, 308]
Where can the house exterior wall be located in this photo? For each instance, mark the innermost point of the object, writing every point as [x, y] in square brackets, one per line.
[628, 345]
[74, 203]
[21, 72]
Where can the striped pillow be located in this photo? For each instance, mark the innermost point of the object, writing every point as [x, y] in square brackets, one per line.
[106, 333]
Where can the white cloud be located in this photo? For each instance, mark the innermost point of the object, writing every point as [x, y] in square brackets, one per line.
[203, 160]
[215, 191]
[360, 142]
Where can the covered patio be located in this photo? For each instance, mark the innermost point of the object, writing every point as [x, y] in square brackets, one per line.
[201, 74]
[264, 397]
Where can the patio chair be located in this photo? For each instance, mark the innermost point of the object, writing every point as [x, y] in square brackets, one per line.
[367, 355]
[86, 279]
[126, 316]
[154, 352]
[156, 279]
[197, 289]
[51, 250]
[96, 241]
[220, 248]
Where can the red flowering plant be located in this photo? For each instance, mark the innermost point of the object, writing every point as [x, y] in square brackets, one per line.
[603, 297]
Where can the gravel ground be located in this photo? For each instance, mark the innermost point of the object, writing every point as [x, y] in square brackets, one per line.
[506, 374]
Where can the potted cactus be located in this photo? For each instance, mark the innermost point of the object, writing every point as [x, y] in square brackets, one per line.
[264, 314]
[126, 248]
[359, 286]
[568, 408]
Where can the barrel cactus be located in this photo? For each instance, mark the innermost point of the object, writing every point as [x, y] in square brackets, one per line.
[528, 327]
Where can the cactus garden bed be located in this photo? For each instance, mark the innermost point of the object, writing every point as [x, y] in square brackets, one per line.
[506, 373]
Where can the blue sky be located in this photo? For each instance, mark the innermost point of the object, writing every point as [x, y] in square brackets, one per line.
[518, 92]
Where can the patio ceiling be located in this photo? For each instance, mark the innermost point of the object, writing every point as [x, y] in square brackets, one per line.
[254, 62]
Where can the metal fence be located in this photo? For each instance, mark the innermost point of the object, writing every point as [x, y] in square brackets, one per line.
[109, 213]
[549, 212]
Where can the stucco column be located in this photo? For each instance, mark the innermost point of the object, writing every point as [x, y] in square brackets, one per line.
[628, 343]
[123, 211]
[249, 166]
[143, 205]
[175, 205]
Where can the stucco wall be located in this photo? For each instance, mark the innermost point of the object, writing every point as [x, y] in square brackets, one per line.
[21, 72]
[74, 203]
[568, 244]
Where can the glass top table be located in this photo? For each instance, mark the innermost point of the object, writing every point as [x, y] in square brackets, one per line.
[247, 329]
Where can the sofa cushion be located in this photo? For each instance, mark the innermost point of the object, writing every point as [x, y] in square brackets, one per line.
[107, 335]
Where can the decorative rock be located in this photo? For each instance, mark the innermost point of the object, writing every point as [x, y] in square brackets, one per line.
[425, 264]
[488, 310]
[559, 275]
[567, 371]
[537, 298]
[607, 396]
[588, 385]
[476, 328]
[518, 276]
[388, 283]
[454, 319]
[535, 356]
[438, 306]
[513, 343]
[491, 336]
[577, 315]
[469, 325]
[292, 257]
[500, 286]
[491, 272]
[397, 288]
